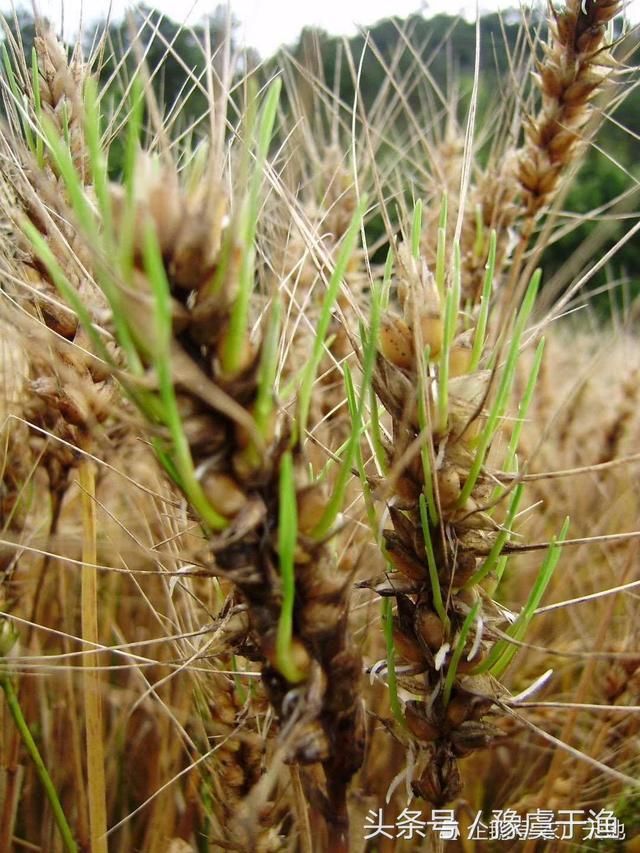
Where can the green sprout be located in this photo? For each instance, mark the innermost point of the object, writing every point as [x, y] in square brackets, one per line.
[451, 308]
[233, 346]
[503, 652]
[287, 539]
[392, 679]
[506, 380]
[339, 270]
[483, 316]
[416, 230]
[8, 638]
[369, 356]
[431, 565]
[441, 247]
[457, 652]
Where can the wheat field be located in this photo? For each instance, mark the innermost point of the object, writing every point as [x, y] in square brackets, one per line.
[319, 494]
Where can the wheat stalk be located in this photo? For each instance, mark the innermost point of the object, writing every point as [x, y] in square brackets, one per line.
[219, 435]
[201, 328]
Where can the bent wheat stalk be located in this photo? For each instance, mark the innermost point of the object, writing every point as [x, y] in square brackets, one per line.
[177, 265]
[447, 394]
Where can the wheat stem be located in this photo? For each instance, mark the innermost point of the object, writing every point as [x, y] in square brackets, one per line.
[92, 683]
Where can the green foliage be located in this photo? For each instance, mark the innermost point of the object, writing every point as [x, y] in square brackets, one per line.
[603, 175]
[177, 51]
[287, 537]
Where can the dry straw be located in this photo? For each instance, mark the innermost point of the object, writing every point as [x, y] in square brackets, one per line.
[244, 436]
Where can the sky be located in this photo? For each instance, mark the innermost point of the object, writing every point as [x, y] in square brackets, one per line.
[266, 24]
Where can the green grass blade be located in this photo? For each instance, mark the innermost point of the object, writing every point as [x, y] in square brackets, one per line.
[501, 539]
[64, 287]
[30, 745]
[287, 538]
[506, 380]
[232, 351]
[97, 158]
[425, 456]
[369, 356]
[416, 230]
[483, 316]
[452, 306]
[392, 680]
[523, 408]
[268, 369]
[431, 565]
[457, 652]
[162, 361]
[37, 104]
[339, 270]
[503, 651]
[441, 249]
[387, 278]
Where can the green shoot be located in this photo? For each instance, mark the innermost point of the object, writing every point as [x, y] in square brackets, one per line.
[147, 402]
[339, 270]
[240, 690]
[134, 130]
[63, 160]
[376, 433]
[425, 455]
[97, 156]
[366, 491]
[166, 460]
[523, 408]
[232, 354]
[457, 652]
[369, 356]
[433, 569]
[441, 247]
[392, 681]
[17, 96]
[37, 102]
[162, 361]
[416, 230]
[225, 262]
[19, 99]
[88, 222]
[328, 465]
[64, 121]
[67, 291]
[452, 305]
[481, 328]
[268, 369]
[500, 403]
[501, 539]
[287, 538]
[11, 77]
[132, 144]
[51, 794]
[501, 565]
[503, 652]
